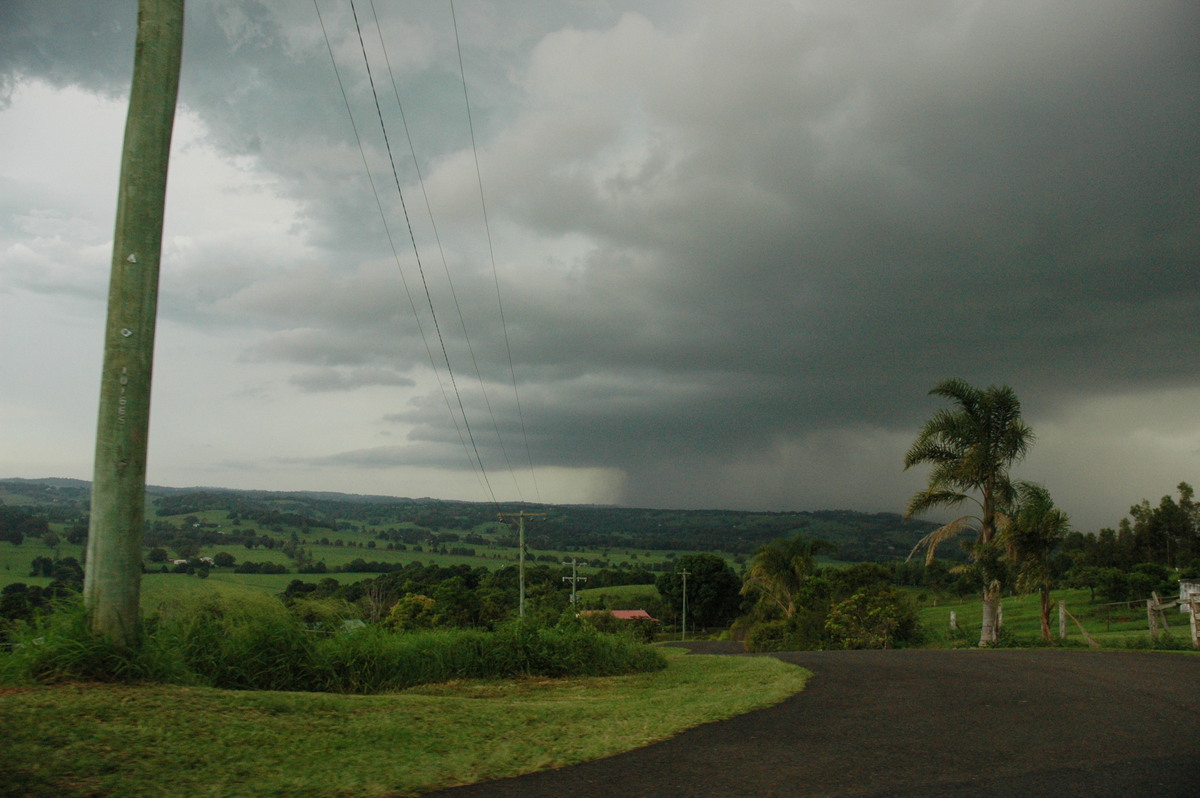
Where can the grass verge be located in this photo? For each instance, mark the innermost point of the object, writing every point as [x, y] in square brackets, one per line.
[118, 740]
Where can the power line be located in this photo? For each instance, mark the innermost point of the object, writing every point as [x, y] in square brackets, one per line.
[416, 252]
[492, 254]
[441, 250]
[395, 252]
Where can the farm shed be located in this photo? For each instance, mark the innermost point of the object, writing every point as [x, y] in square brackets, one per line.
[1189, 590]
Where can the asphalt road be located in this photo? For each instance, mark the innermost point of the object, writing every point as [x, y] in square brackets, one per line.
[927, 723]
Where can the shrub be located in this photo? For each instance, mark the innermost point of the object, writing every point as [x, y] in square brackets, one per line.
[606, 622]
[244, 641]
[327, 615]
[251, 641]
[804, 631]
[877, 617]
[60, 646]
[374, 659]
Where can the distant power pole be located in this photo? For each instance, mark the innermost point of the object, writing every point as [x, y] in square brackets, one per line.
[112, 579]
[574, 579]
[683, 635]
[521, 556]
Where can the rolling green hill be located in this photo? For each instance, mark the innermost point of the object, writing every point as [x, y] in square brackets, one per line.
[438, 526]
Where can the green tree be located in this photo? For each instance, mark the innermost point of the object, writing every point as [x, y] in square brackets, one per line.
[1166, 533]
[1085, 576]
[1035, 529]
[780, 569]
[412, 612]
[1112, 584]
[712, 589]
[874, 617]
[455, 603]
[971, 448]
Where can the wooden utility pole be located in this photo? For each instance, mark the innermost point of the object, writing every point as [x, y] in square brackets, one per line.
[684, 573]
[112, 579]
[1194, 608]
[574, 579]
[521, 555]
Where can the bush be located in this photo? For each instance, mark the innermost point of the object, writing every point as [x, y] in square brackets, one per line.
[251, 641]
[607, 623]
[805, 631]
[374, 659]
[59, 646]
[876, 617]
[246, 641]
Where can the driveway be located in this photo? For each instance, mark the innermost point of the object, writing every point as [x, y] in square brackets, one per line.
[927, 723]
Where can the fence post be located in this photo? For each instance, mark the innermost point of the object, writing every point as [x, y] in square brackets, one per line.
[953, 621]
[1062, 620]
[1194, 604]
[1152, 620]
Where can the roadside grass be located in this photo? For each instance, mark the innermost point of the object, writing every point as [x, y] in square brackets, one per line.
[238, 638]
[84, 740]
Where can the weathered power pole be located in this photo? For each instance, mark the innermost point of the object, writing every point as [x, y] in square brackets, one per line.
[683, 615]
[112, 579]
[521, 556]
[574, 579]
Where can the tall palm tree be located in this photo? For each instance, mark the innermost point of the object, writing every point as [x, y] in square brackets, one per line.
[780, 569]
[971, 448]
[1035, 530]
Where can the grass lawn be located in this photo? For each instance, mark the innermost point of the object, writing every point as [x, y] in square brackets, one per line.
[83, 740]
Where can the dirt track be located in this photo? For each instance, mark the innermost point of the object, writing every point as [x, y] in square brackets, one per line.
[927, 723]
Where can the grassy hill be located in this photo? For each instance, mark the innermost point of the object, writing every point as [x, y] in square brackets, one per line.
[567, 528]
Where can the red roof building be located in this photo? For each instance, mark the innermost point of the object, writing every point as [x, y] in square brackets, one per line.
[624, 615]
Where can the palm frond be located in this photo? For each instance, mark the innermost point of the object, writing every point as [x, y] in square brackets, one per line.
[932, 497]
[940, 535]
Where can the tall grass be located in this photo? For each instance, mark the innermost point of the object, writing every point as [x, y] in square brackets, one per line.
[373, 659]
[249, 641]
[245, 641]
[60, 647]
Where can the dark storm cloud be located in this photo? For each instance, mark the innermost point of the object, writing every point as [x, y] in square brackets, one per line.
[734, 241]
[1004, 192]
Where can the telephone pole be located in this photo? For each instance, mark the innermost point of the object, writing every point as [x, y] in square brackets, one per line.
[521, 556]
[684, 573]
[574, 579]
[112, 579]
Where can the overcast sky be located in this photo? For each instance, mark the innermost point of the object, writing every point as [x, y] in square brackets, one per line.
[729, 247]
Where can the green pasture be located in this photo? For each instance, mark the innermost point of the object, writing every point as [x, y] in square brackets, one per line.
[16, 561]
[618, 593]
[1108, 624]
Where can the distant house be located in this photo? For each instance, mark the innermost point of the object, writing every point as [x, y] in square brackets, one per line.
[1189, 590]
[623, 615]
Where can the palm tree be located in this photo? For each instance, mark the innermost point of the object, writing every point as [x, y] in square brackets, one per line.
[780, 569]
[1036, 528]
[971, 448]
